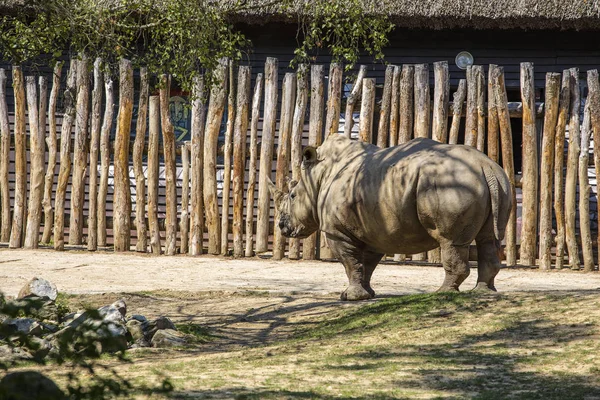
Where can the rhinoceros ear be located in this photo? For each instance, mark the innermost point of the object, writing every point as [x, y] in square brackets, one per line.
[309, 155]
[277, 194]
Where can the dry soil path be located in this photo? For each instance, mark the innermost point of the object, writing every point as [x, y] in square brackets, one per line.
[105, 272]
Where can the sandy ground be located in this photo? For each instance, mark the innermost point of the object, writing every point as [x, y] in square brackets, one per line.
[82, 272]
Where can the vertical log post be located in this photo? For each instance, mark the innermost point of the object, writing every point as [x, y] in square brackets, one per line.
[550, 117]
[51, 141]
[154, 132]
[227, 151]
[184, 226]
[351, 101]
[458, 100]
[170, 167]
[239, 159]
[296, 146]
[256, 99]
[213, 125]
[122, 194]
[37, 157]
[266, 154]
[197, 133]
[422, 100]
[79, 153]
[480, 77]
[585, 191]
[4, 160]
[594, 100]
[334, 99]
[16, 234]
[407, 90]
[365, 132]
[384, 113]
[105, 158]
[315, 134]
[530, 168]
[507, 161]
[471, 114]
[92, 242]
[395, 107]
[65, 156]
[492, 130]
[138, 154]
[572, 167]
[559, 158]
[42, 122]
[441, 94]
[288, 94]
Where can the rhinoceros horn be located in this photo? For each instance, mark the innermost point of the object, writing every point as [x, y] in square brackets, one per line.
[275, 192]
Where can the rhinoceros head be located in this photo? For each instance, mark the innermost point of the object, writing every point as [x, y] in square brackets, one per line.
[297, 208]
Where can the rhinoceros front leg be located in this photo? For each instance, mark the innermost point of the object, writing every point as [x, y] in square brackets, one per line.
[359, 267]
[455, 260]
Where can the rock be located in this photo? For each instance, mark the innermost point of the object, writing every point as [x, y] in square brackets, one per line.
[138, 317]
[111, 314]
[28, 385]
[121, 306]
[136, 329]
[156, 325]
[38, 287]
[140, 343]
[168, 338]
[23, 326]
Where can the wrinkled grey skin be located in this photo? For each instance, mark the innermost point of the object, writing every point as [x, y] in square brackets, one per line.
[405, 199]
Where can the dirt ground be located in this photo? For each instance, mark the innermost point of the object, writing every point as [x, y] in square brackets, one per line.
[82, 272]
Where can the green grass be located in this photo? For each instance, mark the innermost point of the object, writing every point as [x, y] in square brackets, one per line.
[200, 333]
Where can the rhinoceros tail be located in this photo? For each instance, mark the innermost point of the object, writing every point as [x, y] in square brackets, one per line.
[494, 187]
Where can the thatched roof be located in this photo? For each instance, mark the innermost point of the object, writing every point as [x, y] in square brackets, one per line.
[436, 14]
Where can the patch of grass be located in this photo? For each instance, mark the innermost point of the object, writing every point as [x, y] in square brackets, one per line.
[200, 333]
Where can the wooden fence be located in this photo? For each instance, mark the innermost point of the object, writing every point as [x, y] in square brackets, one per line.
[210, 195]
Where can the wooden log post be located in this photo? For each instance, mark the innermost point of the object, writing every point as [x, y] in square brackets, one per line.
[105, 158]
[37, 157]
[492, 115]
[407, 89]
[585, 191]
[458, 100]
[384, 113]
[51, 142]
[138, 154]
[288, 94]
[4, 161]
[16, 234]
[256, 100]
[530, 168]
[351, 101]
[228, 149]
[197, 134]
[266, 154]
[334, 99]
[296, 145]
[594, 101]
[122, 194]
[184, 226]
[239, 159]
[65, 156]
[572, 167]
[507, 161]
[92, 241]
[213, 125]
[395, 107]
[315, 134]
[153, 132]
[441, 94]
[471, 115]
[547, 166]
[42, 121]
[168, 135]
[79, 153]
[559, 156]
[480, 78]
[422, 100]
[365, 132]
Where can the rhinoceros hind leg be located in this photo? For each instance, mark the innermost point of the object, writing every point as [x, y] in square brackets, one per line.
[488, 264]
[455, 260]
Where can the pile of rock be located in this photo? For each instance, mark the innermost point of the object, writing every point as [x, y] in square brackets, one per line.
[108, 327]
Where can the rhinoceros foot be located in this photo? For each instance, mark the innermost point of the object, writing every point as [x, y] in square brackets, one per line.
[482, 286]
[445, 288]
[355, 293]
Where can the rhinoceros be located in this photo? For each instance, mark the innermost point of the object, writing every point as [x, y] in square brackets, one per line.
[405, 199]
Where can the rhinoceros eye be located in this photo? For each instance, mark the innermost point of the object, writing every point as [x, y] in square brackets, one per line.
[292, 195]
